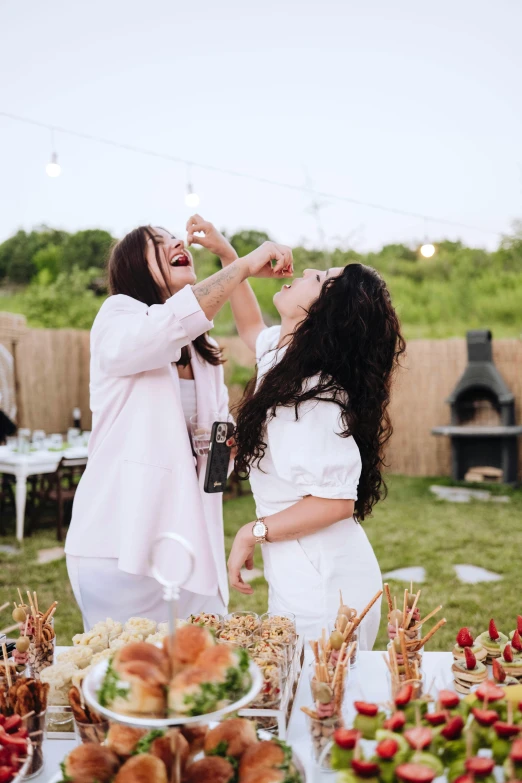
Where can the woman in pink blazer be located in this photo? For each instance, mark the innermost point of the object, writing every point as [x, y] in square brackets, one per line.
[152, 367]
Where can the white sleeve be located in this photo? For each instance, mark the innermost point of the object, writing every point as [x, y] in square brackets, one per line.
[128, 337]
[267, 339]
[311, 454]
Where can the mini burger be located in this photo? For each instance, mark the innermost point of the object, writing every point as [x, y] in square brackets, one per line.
[271, 755]
[91, 763]
[231, 738]
[210, 770]
[142, 769]
[135, 687]
[188, 644]
[123, 739]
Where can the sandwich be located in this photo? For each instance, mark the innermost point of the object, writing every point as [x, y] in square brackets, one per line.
[188, 644]
[90, 763]
[123, 739]
[135, 681]
[268, 762]
[142, 769]
[230, 738]
[210, 770]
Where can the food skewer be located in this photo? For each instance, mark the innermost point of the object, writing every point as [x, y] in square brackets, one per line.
[6, 666]
[425, 619]
[411, 611]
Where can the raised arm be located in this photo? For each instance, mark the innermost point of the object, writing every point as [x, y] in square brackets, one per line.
[245, 308]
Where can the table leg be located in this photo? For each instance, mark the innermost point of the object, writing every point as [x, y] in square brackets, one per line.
[21, 495]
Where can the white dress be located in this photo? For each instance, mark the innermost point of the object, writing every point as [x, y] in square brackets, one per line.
[308, 457]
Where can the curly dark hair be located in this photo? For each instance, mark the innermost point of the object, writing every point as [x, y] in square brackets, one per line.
[351, 340]
[129, 274]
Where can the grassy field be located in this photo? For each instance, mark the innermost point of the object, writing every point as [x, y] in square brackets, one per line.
[410, 528]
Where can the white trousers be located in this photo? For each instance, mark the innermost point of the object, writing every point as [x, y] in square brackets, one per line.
[101, 590]
[304, 577]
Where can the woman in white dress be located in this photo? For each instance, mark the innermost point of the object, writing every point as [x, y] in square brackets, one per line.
[310, 433]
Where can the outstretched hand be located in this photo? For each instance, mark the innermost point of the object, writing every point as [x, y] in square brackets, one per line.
[201, 232]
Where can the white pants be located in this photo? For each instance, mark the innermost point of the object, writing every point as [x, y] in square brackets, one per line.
[102, 590]
[304, 577]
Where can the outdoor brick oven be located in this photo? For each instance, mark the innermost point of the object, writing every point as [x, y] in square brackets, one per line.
[483, 431]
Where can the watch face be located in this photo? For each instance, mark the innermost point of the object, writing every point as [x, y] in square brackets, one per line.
[259, 529]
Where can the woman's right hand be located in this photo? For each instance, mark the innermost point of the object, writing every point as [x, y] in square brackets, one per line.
[258, 263]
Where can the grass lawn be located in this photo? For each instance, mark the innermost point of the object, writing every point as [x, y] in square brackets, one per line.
[410, 528]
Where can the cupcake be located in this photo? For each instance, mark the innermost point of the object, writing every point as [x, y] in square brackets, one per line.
[468, 672]
[465, 639]
[493, 641]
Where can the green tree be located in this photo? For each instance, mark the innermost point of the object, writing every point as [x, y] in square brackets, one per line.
[66, 303]
[87, 249]
[244, 242]
[17, 253]
[48, 262]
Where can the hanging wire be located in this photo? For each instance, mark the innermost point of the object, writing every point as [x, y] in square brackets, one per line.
[251, 177]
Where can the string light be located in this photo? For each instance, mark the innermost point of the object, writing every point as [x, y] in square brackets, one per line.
[251, 177]
[53, 168]
[427, 250]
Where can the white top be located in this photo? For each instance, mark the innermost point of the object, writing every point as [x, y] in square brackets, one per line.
[187, 389]
[303, 457]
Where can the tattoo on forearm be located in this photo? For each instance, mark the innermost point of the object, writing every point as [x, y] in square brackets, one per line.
[216, 286]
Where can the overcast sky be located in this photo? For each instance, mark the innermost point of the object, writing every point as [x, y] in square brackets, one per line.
[411, 104]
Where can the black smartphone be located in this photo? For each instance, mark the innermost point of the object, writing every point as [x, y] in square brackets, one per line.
[218, 457]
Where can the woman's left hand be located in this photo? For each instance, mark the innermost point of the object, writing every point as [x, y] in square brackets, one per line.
[208, 236]
[241, 555]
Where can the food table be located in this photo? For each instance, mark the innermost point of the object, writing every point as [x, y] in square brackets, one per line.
[33, 464]
[368, 681]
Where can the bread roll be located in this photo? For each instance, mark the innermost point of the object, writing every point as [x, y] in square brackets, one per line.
[237, 733]
[264, 775]
[195, 736]
[146, 689]
[210, 770]
[188, 644]
[166, 748]
[219, 658]
[186, 687]
[142, 769]
[91, 763]
[264, 754]
[146, 653]
[123, 739]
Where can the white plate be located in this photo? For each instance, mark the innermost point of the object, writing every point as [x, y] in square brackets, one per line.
[93, 681]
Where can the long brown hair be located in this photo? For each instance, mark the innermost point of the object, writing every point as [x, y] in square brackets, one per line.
[351, 341]
[129, 274]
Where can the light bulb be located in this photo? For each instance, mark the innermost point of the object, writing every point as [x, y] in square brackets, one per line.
[191, 199]
[53, 169]
[428, 250]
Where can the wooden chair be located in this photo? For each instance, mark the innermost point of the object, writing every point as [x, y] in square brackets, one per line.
[59, 489]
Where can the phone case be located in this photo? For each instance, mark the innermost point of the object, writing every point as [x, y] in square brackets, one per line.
[218, 457]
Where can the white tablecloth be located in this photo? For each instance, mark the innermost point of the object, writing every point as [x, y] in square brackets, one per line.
[367, 682]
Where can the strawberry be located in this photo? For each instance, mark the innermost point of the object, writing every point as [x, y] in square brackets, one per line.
[493, 633]
[516, 641]
[365, 708]
[437, 718]
[419, 737]
[365, 769]
[387, 749]
[519, 623]
[480, 766]
[448, 699]
[347, 738]
[464, 779]
[395, 722]
[415, 773]
[499, 672]
[464, 638]
[489, 690]
[516, 751]
[506, 730]
[404, 696]
[453, 729]
[508, 654]
[471, 661]
[485, 717]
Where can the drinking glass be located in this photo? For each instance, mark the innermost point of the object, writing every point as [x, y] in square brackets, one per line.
[201, 430]
[39, 440]
[24, 439]
[91, 732]
[56, 441]
[73, 436]
[322, 732]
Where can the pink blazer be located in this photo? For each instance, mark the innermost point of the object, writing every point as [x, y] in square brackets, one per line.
[140, 480]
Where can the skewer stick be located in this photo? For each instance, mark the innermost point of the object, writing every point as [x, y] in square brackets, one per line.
[26, 624]
[341, 602]
[35, 601]
[387, 662]
[388, 596]
[6, 665]
[31, 605]
[411, 611]
[405, 604]
[425, 619]
[404, 654]
[348, 631]
[50, 611]
[20, 594]
[339, 662]
[4, 606]
[310, 713]
[358, 620]
[428, 636]
[5, 631]
[314, 646]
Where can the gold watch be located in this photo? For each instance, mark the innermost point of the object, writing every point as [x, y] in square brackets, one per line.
[260, 531]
